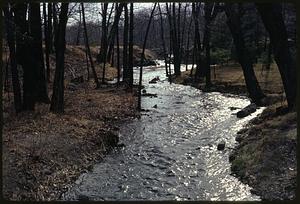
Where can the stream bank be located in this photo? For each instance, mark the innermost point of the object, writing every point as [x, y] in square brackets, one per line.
[44, 153]
[266, 155]
[171, 152]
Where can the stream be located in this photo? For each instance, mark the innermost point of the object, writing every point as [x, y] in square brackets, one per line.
[171, 152]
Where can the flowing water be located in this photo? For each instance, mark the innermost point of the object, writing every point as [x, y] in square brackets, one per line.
[171, 152]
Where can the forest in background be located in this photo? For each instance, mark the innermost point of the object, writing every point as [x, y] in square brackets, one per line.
[65, 57]
[189, 33]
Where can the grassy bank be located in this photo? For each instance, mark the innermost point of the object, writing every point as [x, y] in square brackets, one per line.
[44, 153]
[266, 155]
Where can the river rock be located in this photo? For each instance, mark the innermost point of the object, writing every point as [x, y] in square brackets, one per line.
[154, 80]
[232, 157]
[247, 110]
[149, 94]
[239, 138]
[233, 108]
[155, 106]
[221, 145]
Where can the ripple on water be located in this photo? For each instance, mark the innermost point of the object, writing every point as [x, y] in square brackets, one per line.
[171, 153]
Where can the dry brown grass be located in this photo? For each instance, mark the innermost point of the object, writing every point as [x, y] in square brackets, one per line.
[44, 152]
[232, 75]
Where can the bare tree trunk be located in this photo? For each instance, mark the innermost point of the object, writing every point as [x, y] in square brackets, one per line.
[118, 56]
[188, 45]
[234, 23]
[273, 20]
[130, 51]
[10, 33]
[112, 33]
[88, 47]
[103, 46]
[197, 42]
[78, 29]
[55, 23]
[176, 45]
[183, 28]
[24, 58]
[171, 40]
[142, 58]
[57, 101]
[37, 52]
[163, 42]
[50, 27]
[126, 74]
[46, 35]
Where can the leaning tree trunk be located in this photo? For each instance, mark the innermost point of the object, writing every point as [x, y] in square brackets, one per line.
[142, 59]
[10, 33]
[57, 101]
[114, 27]
[234, 23]
[78, 29]
[272, 18]
[87, 46]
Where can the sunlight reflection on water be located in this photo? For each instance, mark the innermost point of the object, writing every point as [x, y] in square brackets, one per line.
[171, 154]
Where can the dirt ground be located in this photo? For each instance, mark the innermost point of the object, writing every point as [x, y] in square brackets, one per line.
[230, 79]
[266, 155]
[44, 153]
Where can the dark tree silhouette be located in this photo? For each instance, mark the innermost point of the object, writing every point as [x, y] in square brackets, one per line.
[50, 27]
[47, 48]
[103, 46]
[37, 56]
[271, 15]
[57, 101]
[233, 14]
[10, 33]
